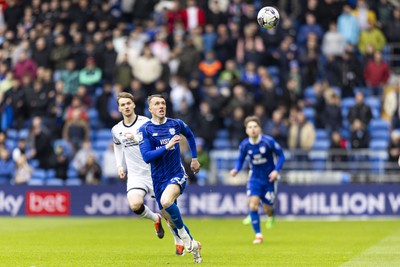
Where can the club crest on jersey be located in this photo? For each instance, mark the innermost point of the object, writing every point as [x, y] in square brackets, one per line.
[139, 136]
[262, 149]
[250, 152]
[172, 131]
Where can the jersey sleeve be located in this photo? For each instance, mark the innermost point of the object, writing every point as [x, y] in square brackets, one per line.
[241, 158]
[279, 153]
[118, 150]
[185, 130]
[148, 154]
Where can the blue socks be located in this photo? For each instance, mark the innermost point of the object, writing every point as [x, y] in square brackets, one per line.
[255, 221]
[175, 214]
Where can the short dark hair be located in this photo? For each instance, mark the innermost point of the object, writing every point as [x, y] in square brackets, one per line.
[250, 119]
[153, 96]
[125, 95]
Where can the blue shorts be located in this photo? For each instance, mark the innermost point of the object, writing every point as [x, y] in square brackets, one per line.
[265, 191]
[159, 188]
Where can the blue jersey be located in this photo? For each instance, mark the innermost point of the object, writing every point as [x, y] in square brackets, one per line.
[261, 155]
[166, 165]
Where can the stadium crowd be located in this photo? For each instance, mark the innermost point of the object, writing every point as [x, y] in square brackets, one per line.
[62, 63]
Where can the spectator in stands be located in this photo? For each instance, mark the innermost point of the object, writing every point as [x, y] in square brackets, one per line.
[337, 151]
[364, 15]
[393, 151]
[230, 75]
[79, 159]
[42, 149]
[277, 128]
[23, 171]
[76, 104]
[37, 100]
[376, 73]
[348, 26]
[359, 136]
[6, 165]
[332, 114]
[250, 77]
[147, 69]
[333, 43]
[24, 66]
[360, 111]
[61, 162]
[70, 77]
[109, 61]
[123, 72]
[56, 113]
[235, 125]
[109, 166]
[250, 47]
[268, 96]
[210, 66]
[107, 106]
[384, 13]
[91, 171]
[41, 53]
[373, 37]
[301, 136]
[350, 72]
[90, 76]
[206, 124]
[392, 29]
[391, 104]
[59, 54]
[225, 45]
[15, 98]
[76, 130]
[20, 150]
[311, 26]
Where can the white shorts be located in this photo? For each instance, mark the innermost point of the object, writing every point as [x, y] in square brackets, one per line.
[141, 183]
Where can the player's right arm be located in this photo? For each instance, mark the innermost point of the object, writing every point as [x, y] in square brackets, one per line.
[119, 156]
[240, 160]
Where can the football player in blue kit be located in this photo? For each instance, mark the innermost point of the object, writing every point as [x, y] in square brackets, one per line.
[159, 146]
[264, 173]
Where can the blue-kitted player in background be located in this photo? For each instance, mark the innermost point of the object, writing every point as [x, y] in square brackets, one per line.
[159, 146]
[264, 173]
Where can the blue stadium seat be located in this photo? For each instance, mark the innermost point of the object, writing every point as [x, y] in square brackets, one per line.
[35, 182]
[101, 145]
[273, 70]
[309, 113]
[380, 135]
[321, 144]
[23, 133]
[12, 134]
[378, 124]
[73, 182]
[50, 173]
[221, 143]
[34, 163]
[222, 133]
[321, 134]
[378, 144]
[103, 134]
[39, 174]
[4, 180]
[348, 102]
[55, 182]
[310, 95]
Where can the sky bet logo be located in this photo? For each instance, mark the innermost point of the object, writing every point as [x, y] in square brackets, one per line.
[47, 203]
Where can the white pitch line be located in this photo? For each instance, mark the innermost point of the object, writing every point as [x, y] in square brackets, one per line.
[385, 253]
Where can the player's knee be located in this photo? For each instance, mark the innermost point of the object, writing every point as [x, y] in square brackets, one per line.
[166, 202]
[253, 206]
[136, 206]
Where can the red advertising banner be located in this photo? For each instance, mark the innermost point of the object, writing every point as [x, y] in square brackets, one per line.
[43, 203]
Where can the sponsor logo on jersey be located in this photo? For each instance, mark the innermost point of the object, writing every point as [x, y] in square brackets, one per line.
[172, 131]
[47, 203]
[154, 134]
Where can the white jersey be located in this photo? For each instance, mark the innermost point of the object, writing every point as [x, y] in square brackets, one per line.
[127, 153]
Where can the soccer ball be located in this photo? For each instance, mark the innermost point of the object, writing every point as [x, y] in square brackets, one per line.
[268, 17]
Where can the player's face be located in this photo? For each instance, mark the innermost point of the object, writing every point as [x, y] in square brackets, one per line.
[126, 106]
[253, 129]
[158, 107]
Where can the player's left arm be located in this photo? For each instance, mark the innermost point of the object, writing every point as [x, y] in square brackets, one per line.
[148, 154]
[185, 130]
[277, 150]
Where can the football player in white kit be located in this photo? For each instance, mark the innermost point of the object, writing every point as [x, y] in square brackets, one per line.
[130, 165]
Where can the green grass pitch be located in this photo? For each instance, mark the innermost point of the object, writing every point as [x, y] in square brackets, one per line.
[226, 242]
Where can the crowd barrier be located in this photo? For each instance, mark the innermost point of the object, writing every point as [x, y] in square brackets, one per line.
[204, 201]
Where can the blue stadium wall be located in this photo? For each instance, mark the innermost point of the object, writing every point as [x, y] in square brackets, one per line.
[208, 201]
